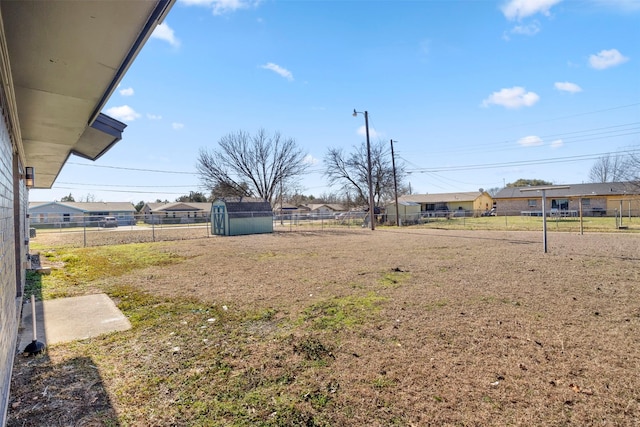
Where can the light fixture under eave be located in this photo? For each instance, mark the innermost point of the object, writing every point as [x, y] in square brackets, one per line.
[29, 177]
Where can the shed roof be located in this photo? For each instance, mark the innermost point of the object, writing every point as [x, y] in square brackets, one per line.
[591, 189]
[468, 196]
[248, 205]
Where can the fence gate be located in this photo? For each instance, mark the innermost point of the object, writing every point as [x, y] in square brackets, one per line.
[218, 220]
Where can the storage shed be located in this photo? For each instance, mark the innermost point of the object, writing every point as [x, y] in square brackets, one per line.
[409, 213]
[239, 216]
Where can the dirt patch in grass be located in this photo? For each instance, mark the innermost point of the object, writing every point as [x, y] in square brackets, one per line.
[350, 328]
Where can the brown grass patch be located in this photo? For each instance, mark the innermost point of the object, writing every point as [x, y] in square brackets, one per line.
[392, 327]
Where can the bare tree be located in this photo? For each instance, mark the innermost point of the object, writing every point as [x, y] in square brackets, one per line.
[251, 165]
[349, 171]
[633, 169]
[493, 191]
[610, 168]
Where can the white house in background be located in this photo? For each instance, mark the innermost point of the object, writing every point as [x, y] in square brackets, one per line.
[78, 214]
[176, 212]
[324, 210]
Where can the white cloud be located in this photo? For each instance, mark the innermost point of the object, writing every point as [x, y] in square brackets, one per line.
[362, 131]
[164, 32]
[177, 126]
[527, 30]
[220, 7]
[514, 97]
[123, 113]
[557, 144]
[518, 9]
[126, 92]
[278, 70]
[530, 141]
[567, 87]
[309, 160]
[153, 116]
[606, 59]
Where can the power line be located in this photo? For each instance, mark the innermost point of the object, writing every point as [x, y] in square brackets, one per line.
[567, 138]
[515, 163]
[123, 191]
[127, 185]
[133, 169]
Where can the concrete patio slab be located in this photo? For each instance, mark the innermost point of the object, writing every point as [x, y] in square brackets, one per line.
[69, 319]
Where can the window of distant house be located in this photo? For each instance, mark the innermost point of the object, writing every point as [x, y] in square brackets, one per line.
[66, 217]
[586, 202]
[533, 203]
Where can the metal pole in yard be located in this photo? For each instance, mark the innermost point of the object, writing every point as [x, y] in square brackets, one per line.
[581, 222]
[544, 209]
[84, 223]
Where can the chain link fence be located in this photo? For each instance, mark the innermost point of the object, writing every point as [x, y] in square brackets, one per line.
[89, 231]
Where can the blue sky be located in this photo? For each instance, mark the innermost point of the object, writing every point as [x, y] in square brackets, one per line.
[476, 93]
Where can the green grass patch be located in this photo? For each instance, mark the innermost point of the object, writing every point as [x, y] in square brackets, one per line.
[80, 267]
[394, 278]
[344, 312]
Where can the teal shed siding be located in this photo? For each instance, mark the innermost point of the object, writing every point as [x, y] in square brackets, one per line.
[241, 216]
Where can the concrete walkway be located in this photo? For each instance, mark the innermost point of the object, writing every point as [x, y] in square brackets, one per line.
[69, 319]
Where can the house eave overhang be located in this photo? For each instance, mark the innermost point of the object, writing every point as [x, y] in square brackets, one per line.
[60, 63]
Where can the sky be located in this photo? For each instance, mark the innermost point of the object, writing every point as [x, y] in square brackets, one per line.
[474, 94]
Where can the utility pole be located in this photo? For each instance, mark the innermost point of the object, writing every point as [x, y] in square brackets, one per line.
[395, 184]
[372, 215]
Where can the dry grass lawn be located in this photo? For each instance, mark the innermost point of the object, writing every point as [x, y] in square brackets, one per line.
[402, 327]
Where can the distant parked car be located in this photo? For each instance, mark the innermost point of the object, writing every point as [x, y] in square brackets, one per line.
[109, 222]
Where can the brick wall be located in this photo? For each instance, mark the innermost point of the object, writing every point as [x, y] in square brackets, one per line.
[10, 226]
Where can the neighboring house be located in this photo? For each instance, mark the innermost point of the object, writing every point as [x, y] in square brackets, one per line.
[285, 210]
[236, 216]
[444, 204]
[597, 199]
[60, 62]
[324, 210]
[78, 214]
[176, 212]
[148, 209]
[409, 212]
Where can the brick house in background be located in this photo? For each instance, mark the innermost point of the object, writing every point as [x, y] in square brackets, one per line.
[469, 203]
[59, 64]
[598, 199]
